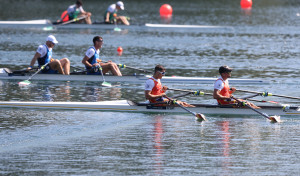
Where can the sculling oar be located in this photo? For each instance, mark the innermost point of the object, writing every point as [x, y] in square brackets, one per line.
[104, 83]
[134, 68]
[73, 20]
[125, 66]
[49, 28]
[200, 117]
[262, 101]
[271, 118]
[116, 26]
[197, 92]
[27, 82]
[265, 94]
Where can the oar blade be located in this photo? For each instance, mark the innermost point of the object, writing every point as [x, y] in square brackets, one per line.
[24, 83]
[274, 119]
[200, 117]
[106, 84]
[117, 29]
[48, 28]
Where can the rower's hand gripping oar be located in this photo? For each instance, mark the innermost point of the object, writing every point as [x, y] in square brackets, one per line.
[27, 82]
[104, 83]
[271, 118]
[200, 117]
[265, 94]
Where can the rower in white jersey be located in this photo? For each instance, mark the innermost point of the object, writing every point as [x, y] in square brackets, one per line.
[44, 56]
[76, 11]
[92, 62]
[111, 16]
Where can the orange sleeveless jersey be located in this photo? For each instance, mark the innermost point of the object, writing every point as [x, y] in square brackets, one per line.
[156, 90]
[225, 92]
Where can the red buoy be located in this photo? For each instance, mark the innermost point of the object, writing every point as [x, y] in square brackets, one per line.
[120, 49]
[246, 4]
[165, 10]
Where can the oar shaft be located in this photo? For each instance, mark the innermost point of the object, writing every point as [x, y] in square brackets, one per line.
[100, 68]
[134, 68]
[182, 106]
[142, 70]
[191, 91]
[266, 116]
[261, 93]
[42, 67]
[74, 20]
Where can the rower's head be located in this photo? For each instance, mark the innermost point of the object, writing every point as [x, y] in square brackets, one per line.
[98, 41]
[78, 3]
[51, 41]
[159, 71]
[120, 5]
[225, 71]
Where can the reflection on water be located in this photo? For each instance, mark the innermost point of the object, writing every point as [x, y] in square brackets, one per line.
[158, 135]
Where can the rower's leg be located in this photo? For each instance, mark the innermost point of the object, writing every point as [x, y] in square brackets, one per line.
[56, 65]
[88, 18]
[124, 20]
[65, 63]
[110, 66]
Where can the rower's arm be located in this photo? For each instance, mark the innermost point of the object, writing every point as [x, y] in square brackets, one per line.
[148, 95]
[85, 61]
[107, 17]
[35, 57]
[218, 96]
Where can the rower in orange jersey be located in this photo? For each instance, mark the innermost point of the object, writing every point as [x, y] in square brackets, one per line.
[222, 91]
[154, 91]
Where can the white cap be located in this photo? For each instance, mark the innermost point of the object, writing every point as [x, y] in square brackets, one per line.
[120, 4]
[52, 39]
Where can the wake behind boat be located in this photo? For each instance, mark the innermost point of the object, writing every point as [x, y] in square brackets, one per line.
[130, 106]
[6, 74]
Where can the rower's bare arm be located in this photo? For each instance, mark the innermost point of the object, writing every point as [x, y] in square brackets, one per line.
[218, 96]
[148, 95]
[85, 61]
[35, 57]
[107, 17]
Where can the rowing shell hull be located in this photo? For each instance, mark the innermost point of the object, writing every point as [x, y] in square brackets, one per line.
[129, 106]
[48, 24]
[132, 79]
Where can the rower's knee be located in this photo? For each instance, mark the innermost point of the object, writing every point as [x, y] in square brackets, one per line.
[112, 65]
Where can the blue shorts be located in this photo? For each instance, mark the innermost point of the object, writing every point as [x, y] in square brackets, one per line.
[49, 70]
[92, 72]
